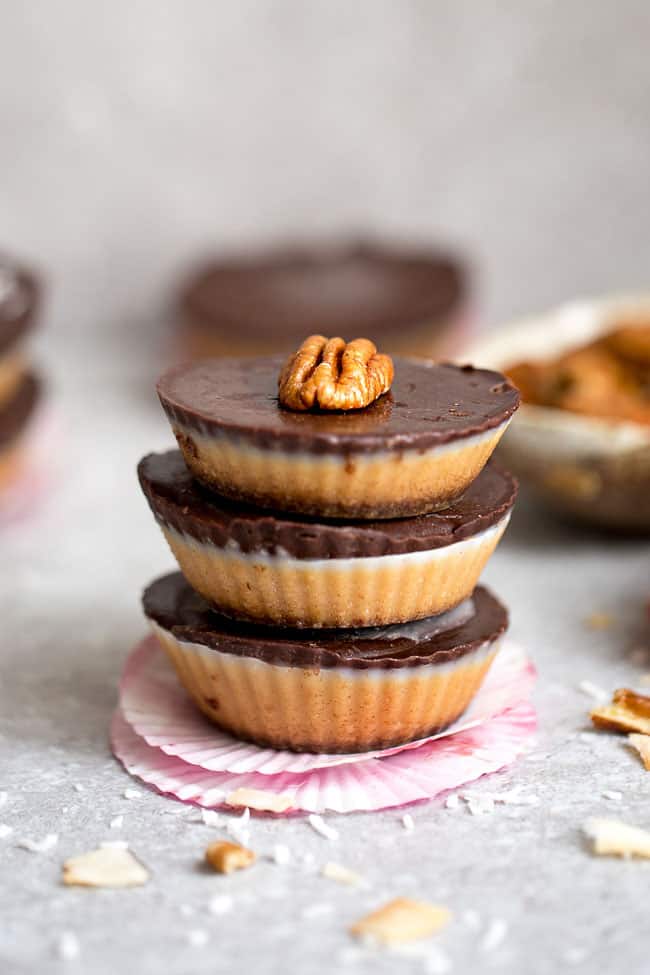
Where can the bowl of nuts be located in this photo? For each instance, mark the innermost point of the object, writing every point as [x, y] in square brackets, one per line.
[581, 438]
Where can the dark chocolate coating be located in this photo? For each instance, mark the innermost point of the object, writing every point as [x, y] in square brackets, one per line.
[15, 414]
[180, 502]
[19, 306]
[172, 604]
[427, 405]
[287, 294]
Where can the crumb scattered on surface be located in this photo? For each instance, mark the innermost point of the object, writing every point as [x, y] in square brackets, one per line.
[108, 866]
[599, 621]
[227, 857]
[408, 822]
[68, 947]
[341, 874]
[220, 904]
[281, 854]
[593, 690]
[132, 794]
[613, 794]
[319, 826]
[452, 801]
[117, 822]
[39, 846]
[210, 817]
[642, 745]
[495, 935]
[260, 800]
[611, 837]
[401, 920]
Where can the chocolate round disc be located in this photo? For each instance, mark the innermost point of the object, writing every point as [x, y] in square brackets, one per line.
[427, 405]
[181, 503]
[173, 605]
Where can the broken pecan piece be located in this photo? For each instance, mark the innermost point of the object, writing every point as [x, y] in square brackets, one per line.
[628, 711]
[334, 375]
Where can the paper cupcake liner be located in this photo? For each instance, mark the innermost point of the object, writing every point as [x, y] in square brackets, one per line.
[375, 783]
[37, 447]
[154, 704]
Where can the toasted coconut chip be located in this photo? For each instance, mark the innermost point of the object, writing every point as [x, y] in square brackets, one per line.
[107, 867]
[642, 745]
[341, 874]
[628, 711]
[227, 857]
[614, 838]
[401, 920]
[260, 800]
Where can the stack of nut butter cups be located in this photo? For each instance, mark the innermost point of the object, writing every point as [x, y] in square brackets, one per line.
[331, 514]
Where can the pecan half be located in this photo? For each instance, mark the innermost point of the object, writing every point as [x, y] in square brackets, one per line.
[334, 375]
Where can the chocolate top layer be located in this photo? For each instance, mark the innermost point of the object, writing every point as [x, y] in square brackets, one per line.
[427, 405]
[179, 502]
[288, 293]
[15, 413]
[172, 604]
[19, 299]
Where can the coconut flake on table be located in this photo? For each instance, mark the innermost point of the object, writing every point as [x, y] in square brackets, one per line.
[593, 690]
[342, 875]
[495, 935]
[116, 822]
[68, 947]
[281, 854]
[613, 794]
[210, 818]
[220, 904]
[323, 829]
[408, 822]
[40, 846]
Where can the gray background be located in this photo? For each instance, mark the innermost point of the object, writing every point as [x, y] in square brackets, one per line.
[133, 135]
[137, 131]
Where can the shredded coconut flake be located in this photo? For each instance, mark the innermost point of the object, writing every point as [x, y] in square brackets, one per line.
[132, 794]
[40, 846]
[612, 794]
[452, 801]
[408, 822]
[210, 817]
[341, 874]
[117, 822]
[68, 947]
[495, 935]
[281, 854]
[319, 826]
[220, 904]
[593, 690]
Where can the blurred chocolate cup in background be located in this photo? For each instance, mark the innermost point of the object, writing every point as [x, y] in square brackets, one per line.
[408, 300]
